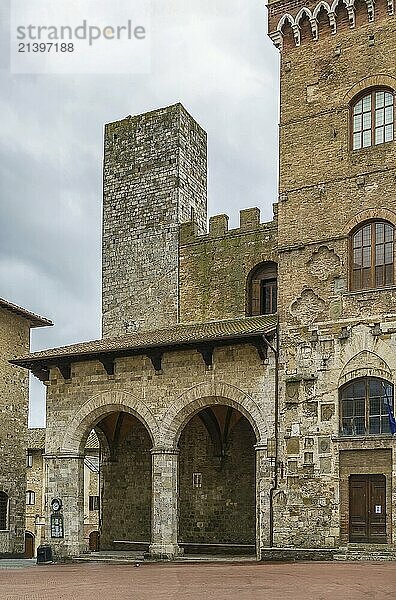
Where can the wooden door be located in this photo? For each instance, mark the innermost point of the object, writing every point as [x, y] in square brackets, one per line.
[367, 509]
[94, 541]
[29, 545]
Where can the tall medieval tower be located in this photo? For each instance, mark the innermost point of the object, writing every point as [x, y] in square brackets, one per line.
[155, 175]
[337, 295]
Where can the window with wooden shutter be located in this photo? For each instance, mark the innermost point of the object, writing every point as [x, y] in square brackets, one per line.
[262, 290]
[256, 297]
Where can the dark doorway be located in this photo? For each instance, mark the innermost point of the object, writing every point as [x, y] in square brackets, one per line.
[217, 511]
[94, 541]
[367, 509]
[29, 545]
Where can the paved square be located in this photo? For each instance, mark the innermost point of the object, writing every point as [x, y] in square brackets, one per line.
[253, 581]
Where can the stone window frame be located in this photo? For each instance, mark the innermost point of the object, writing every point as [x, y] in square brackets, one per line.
[29, 459]
[367, 412]
[4, 511]
[353, 246]
[94, 502]
[263, 275]
[373, 111]
[30, 497]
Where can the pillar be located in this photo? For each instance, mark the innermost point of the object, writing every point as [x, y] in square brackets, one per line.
[264, 482]
[164, 522]
[65, 481]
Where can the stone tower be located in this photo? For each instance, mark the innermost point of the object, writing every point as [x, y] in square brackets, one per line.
[329, 58]
[336, 260]
[155, 175]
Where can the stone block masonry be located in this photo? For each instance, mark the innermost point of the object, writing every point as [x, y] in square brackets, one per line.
[154, 179]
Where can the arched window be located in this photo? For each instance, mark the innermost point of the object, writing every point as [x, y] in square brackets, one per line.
[373, 118]
[372, 256]
[3, 511]
[262, 290]
[30, 497]
[365, 406]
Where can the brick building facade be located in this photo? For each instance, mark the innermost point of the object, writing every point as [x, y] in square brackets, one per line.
[243, 387]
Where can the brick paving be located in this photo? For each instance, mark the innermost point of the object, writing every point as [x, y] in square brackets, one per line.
[257, 581]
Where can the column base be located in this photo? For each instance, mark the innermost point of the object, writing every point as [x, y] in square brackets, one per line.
[164, 551]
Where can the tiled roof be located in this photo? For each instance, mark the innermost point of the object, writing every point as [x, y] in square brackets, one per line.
[34, 320]
[36, 439]
[182, 335]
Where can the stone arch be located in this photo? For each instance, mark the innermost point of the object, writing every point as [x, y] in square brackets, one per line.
[287, 18]
[380, 80]
[369, 214]
[319, 7]
[301, 13]
[99, 406]
[365, 364]
[205, 394]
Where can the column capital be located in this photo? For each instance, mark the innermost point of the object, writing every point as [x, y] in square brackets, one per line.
[159, 450]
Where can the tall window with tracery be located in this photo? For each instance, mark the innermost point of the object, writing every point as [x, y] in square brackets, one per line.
[373, 119]
[372, 256]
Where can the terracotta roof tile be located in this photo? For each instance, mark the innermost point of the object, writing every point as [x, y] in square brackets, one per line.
[178, 335]
[35, 320]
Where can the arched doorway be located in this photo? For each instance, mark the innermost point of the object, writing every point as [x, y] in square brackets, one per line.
[217, 482]
[124, 502]
[29, 545]
[94, 541]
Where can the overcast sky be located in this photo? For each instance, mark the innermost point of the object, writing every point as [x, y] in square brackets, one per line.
[211, 55]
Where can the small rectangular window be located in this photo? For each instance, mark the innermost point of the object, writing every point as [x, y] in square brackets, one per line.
[197, 480]
[94, 503]
[30, 498]
[29, 459]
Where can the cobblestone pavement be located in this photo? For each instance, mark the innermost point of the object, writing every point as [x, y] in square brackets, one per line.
[259, 581]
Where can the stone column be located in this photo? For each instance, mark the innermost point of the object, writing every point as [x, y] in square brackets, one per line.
[164, 518]
[264, 482]
[65, 481]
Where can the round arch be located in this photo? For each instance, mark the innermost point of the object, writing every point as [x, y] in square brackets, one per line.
[380, 80]
[98, 407]
[370, 214]
[209, 394]
[365, 364]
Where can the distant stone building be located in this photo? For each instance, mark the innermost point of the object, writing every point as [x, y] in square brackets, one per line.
[15, 325]
[35, 492]
[243, 390]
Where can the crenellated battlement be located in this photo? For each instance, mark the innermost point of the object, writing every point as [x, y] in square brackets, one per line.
[296, 22]
[249, 221]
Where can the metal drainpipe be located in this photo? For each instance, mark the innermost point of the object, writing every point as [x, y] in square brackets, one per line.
[275, 350]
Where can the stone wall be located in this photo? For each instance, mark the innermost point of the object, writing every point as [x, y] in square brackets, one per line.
[126, 492]
[14, 341]
[164, 402]
[214, 268]
[36, 483]
[154, 179]
[221, 509]
[327, 333]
